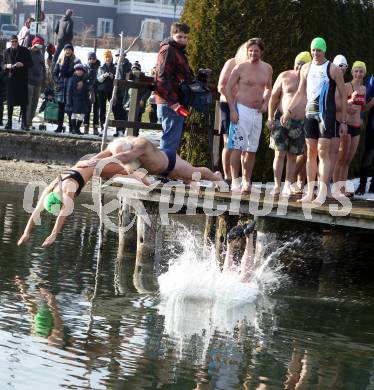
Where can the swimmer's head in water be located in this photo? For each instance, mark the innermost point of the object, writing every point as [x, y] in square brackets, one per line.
[319, 44]
[303, 57]
[43, 321]
[359, 64]
[52, 203]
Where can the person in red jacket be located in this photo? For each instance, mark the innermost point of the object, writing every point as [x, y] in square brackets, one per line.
[172, 68]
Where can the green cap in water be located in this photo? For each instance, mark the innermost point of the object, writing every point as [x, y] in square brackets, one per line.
[318, 43]
[52, 203]
[43, 321]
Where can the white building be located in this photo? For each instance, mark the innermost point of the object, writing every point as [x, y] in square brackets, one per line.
[110, 16]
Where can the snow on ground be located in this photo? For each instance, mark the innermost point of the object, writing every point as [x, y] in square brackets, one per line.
[146, 60]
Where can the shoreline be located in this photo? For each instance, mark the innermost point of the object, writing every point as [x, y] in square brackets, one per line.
[24, 172]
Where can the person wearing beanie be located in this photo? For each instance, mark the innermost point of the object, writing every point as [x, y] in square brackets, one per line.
[36, 78]
[92, 67]
[77, 100]
[287, 141]
[62, 72]
[105, 78]
[17, 61]
[65, 32]
[120, 113]
[319, 80]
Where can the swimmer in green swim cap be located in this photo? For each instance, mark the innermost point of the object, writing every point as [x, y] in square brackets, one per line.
[319, 44]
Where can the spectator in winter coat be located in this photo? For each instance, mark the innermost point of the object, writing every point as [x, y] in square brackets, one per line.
[77, 100]
[172, 68]
[65, 32]
[24, 37]
[36, 79]
[3, 88]
[17, 61]
[63, 70]
[105, 77]
[118, 109]
[92, 69]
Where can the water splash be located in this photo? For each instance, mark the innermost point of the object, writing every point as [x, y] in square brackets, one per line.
[197, 299]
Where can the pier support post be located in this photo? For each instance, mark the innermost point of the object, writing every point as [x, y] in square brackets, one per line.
[210, 229]
[145, 275]
[126, 254]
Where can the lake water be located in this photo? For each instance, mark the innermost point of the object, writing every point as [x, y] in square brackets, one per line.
[307, 327]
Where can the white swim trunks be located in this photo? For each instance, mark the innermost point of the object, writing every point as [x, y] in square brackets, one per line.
[245, 134]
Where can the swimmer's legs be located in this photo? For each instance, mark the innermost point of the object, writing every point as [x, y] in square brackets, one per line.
[247, 262]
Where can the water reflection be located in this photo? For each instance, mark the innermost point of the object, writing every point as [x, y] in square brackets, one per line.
[203, 330]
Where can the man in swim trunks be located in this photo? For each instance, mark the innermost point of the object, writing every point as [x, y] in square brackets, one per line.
[253, 80]
[319, 79]
[287, 140]
[140, 152]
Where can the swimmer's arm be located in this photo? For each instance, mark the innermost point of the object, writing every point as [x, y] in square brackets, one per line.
[227, 90]
[267, 91]
[35, 215]
[60, 220]
[338, 77]
[369, 104]
[275, 97]
[224, 76]
[99, 156]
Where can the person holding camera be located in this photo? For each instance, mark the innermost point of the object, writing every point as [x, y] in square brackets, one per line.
[105, 77]
[172, 69]
[17, 61]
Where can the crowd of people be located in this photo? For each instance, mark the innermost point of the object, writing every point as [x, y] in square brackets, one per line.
[78, 90]
[314, 117]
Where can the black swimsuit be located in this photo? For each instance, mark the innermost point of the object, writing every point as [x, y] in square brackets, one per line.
[75, 175]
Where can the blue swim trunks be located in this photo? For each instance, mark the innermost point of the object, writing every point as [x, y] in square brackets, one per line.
[172, 156]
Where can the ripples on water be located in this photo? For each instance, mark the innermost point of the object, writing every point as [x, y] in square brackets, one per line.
[202, 329]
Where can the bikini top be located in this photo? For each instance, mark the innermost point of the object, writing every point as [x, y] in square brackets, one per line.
[359, 99]
[75, 175]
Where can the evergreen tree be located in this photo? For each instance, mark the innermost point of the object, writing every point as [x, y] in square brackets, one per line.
[219, 27]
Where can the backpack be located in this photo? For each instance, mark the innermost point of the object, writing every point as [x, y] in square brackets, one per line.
[195, 95]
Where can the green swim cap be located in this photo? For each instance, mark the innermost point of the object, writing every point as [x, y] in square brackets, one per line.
[43, 321]
[318, 43]
[52, 203]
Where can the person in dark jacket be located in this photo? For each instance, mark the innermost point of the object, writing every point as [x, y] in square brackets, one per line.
[77, 100]
[118, 109]
[172, 68]
[92, 69]
[17, 61]
[63, 70]
[65, 32]
[36, 79]
[105, 77]
[3, 88]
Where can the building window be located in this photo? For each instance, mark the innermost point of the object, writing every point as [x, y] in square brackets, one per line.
[104, 26]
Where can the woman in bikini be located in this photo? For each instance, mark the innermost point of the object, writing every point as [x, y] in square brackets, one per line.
[58, 197]
[356, 93]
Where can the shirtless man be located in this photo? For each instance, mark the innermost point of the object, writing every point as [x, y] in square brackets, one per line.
[253, 80]
[240, 56]
[287, 140]
[319, 126]
[140, 152]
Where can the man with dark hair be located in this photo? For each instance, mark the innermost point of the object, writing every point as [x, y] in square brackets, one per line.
[17, 60]
[172, 68]
[65, 32]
